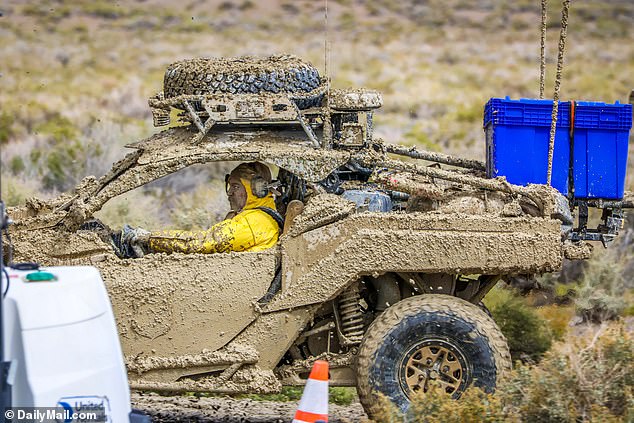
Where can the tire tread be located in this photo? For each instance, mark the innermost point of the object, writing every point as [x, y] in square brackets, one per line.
[435, 303]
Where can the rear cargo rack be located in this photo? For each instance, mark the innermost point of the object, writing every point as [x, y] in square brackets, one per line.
[612, 219]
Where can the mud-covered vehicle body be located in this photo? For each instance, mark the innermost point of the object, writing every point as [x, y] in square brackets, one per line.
[381, 266]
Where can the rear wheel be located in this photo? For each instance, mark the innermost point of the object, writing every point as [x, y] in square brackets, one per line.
[425, 340]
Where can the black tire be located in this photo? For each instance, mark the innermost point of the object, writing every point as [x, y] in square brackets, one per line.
[241, 75]
[461, 333]
[484, 308]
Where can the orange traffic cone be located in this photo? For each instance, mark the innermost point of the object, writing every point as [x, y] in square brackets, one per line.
[313, 407]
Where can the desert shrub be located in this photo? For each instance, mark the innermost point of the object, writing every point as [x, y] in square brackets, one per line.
[16, 165]
[64, 165]
[246, 5]
[58, 128]
[387, 413]
[586, 379]
[15, 191]
[104, 9]
[470, 113]
[558, 319]
[60, 158]
[418, 136]
[132, 208]
[629, 299]
[342, 395]
[528, 335]
[435, 406]
[601, 289]
[6, 127]
[598, 287]
[288, 393]
[623, 248]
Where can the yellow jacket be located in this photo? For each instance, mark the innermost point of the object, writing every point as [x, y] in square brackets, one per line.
[250, 230]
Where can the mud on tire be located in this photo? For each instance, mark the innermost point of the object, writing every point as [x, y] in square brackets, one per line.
[241, 75]
[425, 339]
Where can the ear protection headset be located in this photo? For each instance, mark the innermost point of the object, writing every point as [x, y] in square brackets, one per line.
[259, 186]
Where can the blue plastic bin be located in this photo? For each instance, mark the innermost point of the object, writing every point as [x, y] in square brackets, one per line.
[518, 131]
[517, 134]
[600, 140]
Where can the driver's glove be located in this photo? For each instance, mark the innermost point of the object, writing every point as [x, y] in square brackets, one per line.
[134, 241]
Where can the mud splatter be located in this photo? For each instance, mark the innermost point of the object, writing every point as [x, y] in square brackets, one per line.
[355, 99]
[234, 353]
[321, 210]
[193, 322]
[249, 379]
[577, 251]
[444, 243]
[210, 74]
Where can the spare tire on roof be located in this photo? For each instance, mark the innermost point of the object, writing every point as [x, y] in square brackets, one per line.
[240, 75]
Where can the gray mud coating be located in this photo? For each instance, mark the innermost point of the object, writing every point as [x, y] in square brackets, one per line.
[161, 300]
[355, 99]
[246, 75]
[433, 242]
[244, 64]
[320, 211]
[163, 297]
[194, 322]
[248, 379]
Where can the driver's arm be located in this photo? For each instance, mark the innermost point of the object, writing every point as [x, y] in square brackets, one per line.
[229, 235]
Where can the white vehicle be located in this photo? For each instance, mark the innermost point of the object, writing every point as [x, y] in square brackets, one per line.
[60, 345]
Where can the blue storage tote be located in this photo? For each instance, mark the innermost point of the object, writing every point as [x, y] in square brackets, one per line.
[600, 143]
[517, 135]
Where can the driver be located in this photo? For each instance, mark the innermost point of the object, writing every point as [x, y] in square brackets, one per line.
[253, 224]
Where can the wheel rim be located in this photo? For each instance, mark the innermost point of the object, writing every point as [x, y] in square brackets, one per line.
[433, 361]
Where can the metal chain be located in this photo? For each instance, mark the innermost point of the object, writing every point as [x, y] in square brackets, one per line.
[560, 65]
[542, 66]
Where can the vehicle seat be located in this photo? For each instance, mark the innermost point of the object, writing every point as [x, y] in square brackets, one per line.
[294, 208]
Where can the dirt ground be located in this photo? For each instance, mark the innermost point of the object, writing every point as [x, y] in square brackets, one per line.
[168, 409]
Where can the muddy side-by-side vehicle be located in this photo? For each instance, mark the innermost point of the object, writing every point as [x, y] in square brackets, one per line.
[384, 258]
